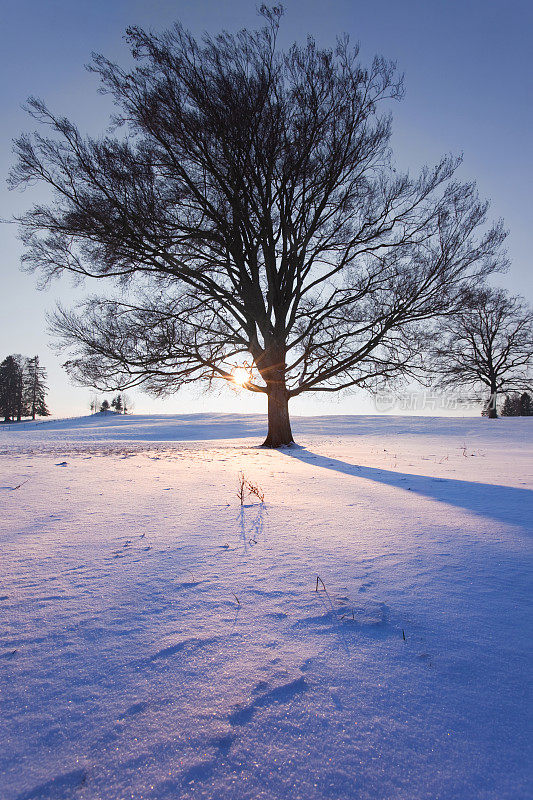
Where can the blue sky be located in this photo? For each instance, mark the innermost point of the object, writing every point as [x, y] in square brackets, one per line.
[468, 74]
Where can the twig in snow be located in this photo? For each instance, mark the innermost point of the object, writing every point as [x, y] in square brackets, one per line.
[19, 485]
[246, 488]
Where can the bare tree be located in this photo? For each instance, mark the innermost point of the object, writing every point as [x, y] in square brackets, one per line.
[488, 345]
[250, 209]
[128, 404]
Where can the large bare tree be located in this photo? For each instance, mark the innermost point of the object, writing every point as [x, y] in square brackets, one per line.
[488, 345]
[247, 208]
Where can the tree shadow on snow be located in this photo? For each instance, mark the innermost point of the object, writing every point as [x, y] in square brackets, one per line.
[503, 503]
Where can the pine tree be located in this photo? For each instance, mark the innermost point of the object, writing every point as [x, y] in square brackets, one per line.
[12, 377]
[35, 388]
[507, 408]
[117, 404]
[8, 388]
[511, 406]
[105, 406]
[22, 405]
[22, 388]
[526, 405]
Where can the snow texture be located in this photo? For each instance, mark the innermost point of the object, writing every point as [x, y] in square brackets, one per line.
[364, 633]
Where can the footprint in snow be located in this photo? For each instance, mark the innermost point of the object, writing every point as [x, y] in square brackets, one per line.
[62, 464]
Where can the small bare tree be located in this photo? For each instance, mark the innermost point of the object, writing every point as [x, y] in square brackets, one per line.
[489, 345]
[251, 208]
[247, 487]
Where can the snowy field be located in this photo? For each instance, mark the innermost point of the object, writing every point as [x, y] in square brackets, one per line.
[158, 641]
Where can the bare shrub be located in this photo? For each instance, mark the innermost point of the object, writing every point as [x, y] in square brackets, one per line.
[247, 488]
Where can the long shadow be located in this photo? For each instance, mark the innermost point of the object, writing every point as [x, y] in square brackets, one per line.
[503, 503]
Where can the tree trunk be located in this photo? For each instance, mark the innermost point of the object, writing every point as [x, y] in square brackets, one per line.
[279, 424]
[493, 411]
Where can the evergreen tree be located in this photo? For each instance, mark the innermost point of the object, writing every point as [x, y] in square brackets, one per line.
[117, 404]
[12, 377]
[35, 388]
[526, 405]
[509, 406]
[21, 404]
[22, 388]
[513, 406]
[9, 378]
[105, 406]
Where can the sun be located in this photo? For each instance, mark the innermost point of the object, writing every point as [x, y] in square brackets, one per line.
[240, 376]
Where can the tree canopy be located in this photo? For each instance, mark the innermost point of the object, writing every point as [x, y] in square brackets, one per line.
[249, 212]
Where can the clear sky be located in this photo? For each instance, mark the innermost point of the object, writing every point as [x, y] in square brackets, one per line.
[469, 81]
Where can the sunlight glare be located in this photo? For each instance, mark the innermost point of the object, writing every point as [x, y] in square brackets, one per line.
[240, 376]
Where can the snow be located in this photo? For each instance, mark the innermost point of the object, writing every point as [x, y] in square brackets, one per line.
[158, 641]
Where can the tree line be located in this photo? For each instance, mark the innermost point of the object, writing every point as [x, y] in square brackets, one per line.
[22, 388]
[517, 405]
[121, 404]
[250, 216]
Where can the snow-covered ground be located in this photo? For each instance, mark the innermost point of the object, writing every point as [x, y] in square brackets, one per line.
[158, 641]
